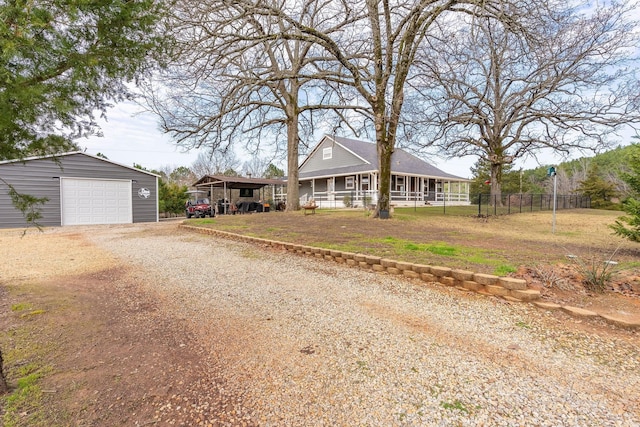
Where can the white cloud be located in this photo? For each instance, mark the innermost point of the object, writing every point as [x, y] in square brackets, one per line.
[131, 136]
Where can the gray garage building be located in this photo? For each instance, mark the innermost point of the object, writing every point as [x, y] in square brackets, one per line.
[81, 189]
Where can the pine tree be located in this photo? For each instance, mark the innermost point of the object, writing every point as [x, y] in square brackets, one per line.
[600, 191]
[628, 226]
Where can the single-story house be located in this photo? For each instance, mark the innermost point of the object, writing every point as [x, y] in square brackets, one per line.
[343, 172]
[80, 189]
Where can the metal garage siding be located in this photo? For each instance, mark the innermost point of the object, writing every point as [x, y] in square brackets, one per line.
[41, 177]
[95, 201]
[37, 178]
[145, 209]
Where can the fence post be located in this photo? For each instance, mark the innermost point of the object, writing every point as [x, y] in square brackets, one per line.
[495, 205]
[520, 200]
[479, 205]
[444, 204]
[555, 187]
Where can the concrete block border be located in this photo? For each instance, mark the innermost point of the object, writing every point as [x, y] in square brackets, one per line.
[508, 288]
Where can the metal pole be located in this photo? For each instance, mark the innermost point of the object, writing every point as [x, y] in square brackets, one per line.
[444, 205]
[224, 198]
[555, 186]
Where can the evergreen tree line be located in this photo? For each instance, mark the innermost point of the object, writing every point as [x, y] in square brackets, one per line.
[603, 178]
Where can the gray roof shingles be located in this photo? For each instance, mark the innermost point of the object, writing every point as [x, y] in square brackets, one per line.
[401, 162]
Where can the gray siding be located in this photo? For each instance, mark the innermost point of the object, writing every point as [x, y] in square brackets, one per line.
[341, 158]
[305, 188]
[41, 178]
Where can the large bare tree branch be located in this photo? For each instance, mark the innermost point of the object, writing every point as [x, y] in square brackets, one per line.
[498, 95]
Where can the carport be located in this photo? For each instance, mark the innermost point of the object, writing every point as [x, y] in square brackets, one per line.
[228, 183]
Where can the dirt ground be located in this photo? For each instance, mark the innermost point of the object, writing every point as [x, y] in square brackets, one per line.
[69, 307]
[525, 242]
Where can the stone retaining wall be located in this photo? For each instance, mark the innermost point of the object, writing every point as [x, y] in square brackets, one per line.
[509, 288]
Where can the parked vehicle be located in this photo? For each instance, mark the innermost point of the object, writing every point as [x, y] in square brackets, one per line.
[198, 208]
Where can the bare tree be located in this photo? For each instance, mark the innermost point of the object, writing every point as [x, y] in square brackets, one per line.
[489, 92]
[374, 56]
[257, 166]
[231, 80]
[215, 163]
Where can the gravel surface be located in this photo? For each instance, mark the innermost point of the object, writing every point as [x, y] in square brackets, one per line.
[306, 342]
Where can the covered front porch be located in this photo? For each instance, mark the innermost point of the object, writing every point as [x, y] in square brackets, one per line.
[362, 190]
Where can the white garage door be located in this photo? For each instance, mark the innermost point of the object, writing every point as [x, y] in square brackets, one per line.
[95, 201]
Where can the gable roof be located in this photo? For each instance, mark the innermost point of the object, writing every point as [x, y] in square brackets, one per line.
[402, 162]
[73, 153]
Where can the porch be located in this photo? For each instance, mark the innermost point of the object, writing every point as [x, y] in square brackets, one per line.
[362, 190]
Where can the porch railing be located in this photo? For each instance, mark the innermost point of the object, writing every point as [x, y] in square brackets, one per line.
[353, 198]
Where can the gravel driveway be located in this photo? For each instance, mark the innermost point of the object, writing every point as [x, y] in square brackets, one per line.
[305, 342]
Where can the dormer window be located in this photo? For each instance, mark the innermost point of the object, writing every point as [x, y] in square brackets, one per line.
[327, 153]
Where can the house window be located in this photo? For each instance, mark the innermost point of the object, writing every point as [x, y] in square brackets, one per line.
[327, 153]
[349, 183]
[400, 183]
[364, 183]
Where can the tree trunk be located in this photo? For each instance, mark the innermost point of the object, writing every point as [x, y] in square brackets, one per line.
[293, 191]
[3, 380]
[496, 184]
[385, 150]
[386, 128]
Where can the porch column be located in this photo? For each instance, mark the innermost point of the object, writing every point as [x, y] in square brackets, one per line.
[374, 187]
[224, 197]
[426, 182]
[407, 187]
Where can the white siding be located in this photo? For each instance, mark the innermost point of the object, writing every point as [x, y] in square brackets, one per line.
[95, 201]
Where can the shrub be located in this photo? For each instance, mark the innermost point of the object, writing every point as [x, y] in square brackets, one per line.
[596, 273]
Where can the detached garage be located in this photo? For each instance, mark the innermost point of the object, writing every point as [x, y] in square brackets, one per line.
[81, 189]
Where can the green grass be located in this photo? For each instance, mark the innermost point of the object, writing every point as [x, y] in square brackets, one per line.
[425, 235]
[401, 249]
[201, 221]
[33, 313]
[433, 211]
[21, 306]
[523, 325]
[455, 405]
[442, 249]
[26, 363]
[23, 406]
[503, 270]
